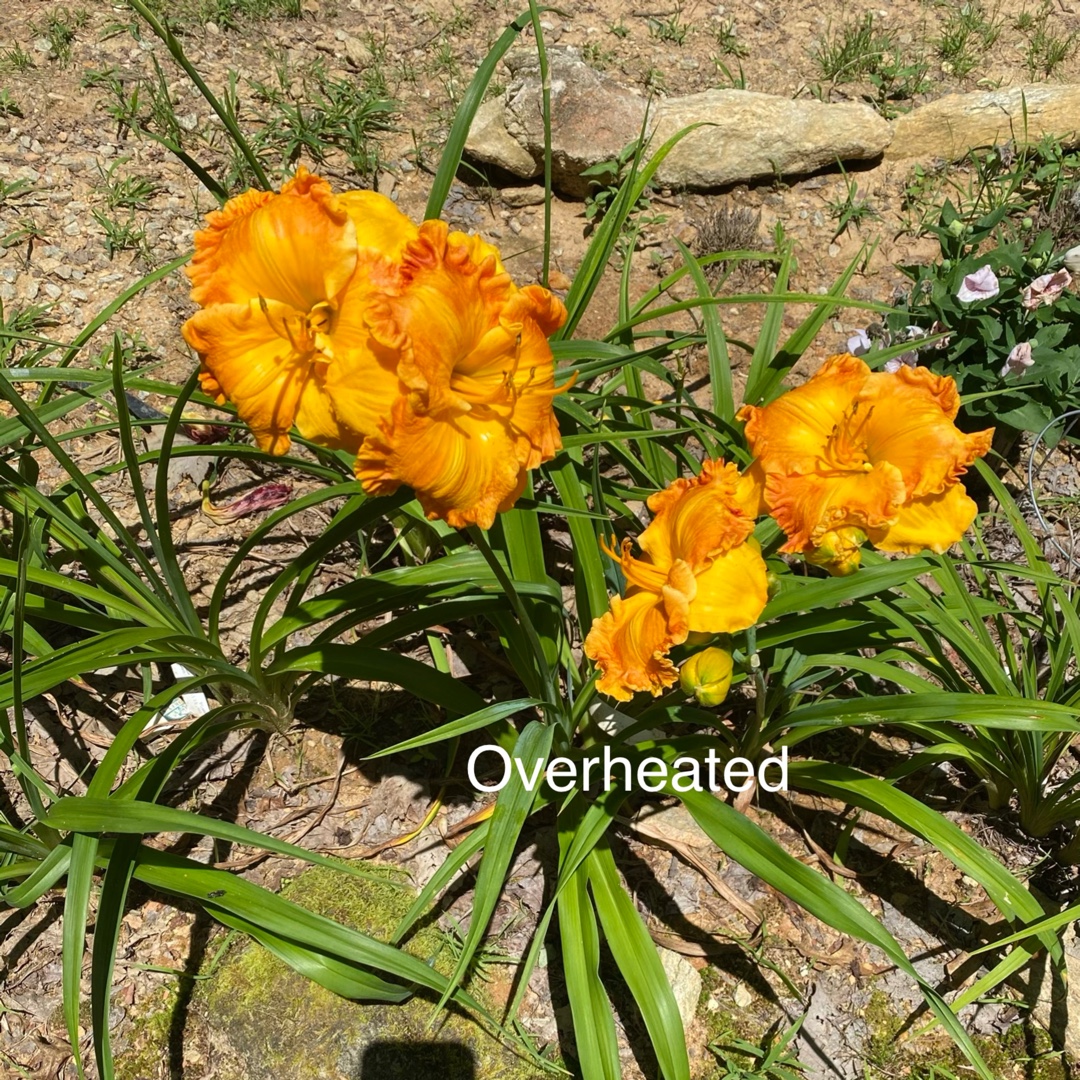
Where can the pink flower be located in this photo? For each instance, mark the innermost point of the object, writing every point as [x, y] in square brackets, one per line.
[263, 497]
[1019, 360]
[981, 285]
[1045, 289]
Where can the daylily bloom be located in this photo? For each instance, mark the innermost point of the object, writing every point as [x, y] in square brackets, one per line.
[1045, 289]
[284, 281]
[853, 455]
[700, 573]
[980, 285]
[409, 346]
[1019, 359]
[478, 379]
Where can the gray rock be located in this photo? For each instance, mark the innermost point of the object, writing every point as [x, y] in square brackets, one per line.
[592, 117]
[1057, 1006]
[517, 197]
[671, 825]
[951, 126]
[750, 136]
[685, 984]
[490, 142]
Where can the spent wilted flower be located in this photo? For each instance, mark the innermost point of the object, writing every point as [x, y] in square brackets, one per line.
[406, 345]
[853, 455]
[263, 497]
[700, 573]
[980, 285]
[1019, 359]
[1045, 289]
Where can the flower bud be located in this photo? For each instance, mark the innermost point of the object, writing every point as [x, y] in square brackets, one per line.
[1072, 260]
[707, 676]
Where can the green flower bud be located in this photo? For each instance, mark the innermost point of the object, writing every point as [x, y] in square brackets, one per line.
[707, 676]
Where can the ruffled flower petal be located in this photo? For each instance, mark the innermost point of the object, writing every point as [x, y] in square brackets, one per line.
[700, 574]
[792, 433]
[731, 593]
[630, 642]
[909, 424]
[843, 455]
[463, 470]
[298, 247]
[379, 224]
[477, 380]
[807, 507]
[933, 521]
[697, 519]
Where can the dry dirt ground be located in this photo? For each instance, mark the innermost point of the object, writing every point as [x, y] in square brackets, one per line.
[74, 178]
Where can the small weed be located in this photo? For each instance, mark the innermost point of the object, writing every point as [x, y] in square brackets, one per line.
[619, 29]
[122, 235]
[897, 79]
[850, 210]
[727, 39]
[8, 105]
[1047, 50]
[595, 56]
[727, 228]
[729, 80]
[850, 51]
[15, 58]
[768, 1060]
[654, 81]
[324, 113]
[125, 192]
[134, 351]
[967, 34]
[671, 30]
[230, 14]
[12, 189]
[28, 319]
[26, 231]
[59, 26]
[608, 178]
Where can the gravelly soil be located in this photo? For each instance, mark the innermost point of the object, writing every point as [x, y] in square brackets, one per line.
[57, 136]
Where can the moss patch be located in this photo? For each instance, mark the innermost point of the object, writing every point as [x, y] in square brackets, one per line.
[266, 1022]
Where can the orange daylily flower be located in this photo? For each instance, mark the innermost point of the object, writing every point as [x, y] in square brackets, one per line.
[853, 455]
[701, 573]
[478, 377]
[407, 345]
[284, 281]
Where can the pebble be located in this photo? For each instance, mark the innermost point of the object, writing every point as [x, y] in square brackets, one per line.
[515, 226]
[834, 250]
[53, 292]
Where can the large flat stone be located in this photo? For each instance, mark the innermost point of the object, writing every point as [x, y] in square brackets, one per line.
[749, 136]
[957, 123]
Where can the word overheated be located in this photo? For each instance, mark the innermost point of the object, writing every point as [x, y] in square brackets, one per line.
[652, 774]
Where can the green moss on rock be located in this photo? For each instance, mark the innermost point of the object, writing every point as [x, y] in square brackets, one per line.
[266, 1022]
